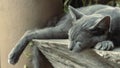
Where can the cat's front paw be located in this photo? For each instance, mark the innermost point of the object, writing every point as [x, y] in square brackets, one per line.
[13, 58]
[104, 45]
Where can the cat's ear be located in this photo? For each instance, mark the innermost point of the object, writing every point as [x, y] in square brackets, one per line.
[103, 23]
[75, 14]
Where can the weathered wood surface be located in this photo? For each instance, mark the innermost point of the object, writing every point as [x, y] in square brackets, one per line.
[60, 57]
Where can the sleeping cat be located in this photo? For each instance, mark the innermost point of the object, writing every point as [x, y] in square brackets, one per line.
[93, 26]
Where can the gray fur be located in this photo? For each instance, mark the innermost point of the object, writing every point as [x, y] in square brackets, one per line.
[78, 25]
[58, 32]
[104, 17]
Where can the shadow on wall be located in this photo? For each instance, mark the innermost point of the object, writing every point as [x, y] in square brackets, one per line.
[17, 16]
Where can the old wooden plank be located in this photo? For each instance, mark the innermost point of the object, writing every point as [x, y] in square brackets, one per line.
[60, 57]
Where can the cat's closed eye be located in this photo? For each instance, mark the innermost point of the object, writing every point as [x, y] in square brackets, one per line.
[97, 31]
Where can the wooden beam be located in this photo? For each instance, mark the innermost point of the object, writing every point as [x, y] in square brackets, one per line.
[60, 57]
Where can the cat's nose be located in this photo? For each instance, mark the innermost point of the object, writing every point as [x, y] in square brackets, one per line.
[75, 46]
[71, 49]
[70, 45]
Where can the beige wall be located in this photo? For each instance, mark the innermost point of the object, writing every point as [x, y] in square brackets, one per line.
[17, 16]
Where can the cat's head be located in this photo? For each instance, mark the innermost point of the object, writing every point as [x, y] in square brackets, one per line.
[87, 30]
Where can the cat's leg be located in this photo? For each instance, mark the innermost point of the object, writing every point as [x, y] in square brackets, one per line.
[104, 45]
[47, 33]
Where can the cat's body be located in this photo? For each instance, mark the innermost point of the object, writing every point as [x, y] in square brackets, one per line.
[85, 27]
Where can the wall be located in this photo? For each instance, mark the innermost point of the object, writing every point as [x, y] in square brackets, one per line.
[17, 16]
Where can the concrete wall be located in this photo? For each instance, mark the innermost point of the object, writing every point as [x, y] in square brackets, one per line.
[17, 16]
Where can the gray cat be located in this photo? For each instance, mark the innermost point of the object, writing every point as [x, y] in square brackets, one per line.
[93, 26]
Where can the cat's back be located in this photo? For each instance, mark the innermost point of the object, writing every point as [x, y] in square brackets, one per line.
[105, 10]
[88, 10]
[114, 13]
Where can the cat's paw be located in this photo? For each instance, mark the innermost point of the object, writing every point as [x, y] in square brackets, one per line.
[13, 58]
[104, 45]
